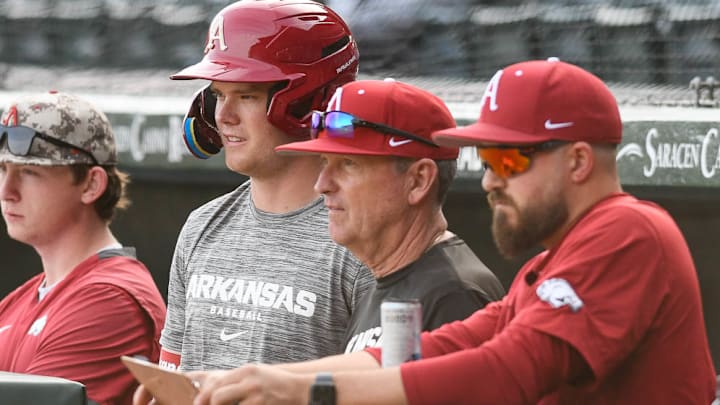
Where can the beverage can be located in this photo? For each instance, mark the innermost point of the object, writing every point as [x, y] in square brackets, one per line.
[401, 322]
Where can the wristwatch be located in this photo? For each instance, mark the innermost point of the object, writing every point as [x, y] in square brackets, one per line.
[322, 391]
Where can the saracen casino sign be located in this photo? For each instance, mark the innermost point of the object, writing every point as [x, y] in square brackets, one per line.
[662, 146]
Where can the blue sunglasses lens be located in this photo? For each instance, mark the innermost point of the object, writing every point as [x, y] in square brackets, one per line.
[339, 124]
[315, 124]
[336, 124]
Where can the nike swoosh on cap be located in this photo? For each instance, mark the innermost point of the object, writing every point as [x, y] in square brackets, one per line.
[4, 328]
[394, 143]
[557, 125]
[230, 336]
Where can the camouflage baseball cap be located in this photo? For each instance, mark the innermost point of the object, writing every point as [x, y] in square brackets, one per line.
[64, 117]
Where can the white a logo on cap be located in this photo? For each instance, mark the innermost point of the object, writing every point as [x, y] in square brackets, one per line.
[216, 33]
[491, 92]
[335, 100]
[11, 117]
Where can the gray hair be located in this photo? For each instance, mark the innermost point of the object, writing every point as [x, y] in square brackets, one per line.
[446, 174]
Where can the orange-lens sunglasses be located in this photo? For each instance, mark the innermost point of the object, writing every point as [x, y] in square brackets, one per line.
[509, 160]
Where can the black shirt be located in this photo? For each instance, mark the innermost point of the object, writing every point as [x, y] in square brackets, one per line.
[449, 281]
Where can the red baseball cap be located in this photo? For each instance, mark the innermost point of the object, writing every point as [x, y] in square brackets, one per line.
[390, 103]
[538, 101]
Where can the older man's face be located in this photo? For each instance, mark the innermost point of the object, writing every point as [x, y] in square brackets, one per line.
[366, 197]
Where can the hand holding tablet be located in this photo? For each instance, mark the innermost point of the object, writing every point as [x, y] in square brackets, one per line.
[168, 387]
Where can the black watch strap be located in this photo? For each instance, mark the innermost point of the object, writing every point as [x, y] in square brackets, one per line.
[322, 391]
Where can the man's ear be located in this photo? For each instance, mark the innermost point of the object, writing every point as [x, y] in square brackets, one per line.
[422, 175]
[94, 184]
[581, 162]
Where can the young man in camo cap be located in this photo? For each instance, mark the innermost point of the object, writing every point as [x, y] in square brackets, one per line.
[93, 301]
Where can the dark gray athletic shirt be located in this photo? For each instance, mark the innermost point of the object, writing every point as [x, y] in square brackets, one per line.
[449, 280]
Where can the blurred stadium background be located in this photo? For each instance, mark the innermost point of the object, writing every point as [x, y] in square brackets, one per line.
[120, 53]
[637, 41]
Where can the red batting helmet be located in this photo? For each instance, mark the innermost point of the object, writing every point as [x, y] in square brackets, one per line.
[300, 43]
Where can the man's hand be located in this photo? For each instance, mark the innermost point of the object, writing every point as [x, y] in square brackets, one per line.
[142, 396]
[252, 384]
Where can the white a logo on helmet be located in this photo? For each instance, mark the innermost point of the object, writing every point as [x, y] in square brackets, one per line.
[491, 92]
[558, 293]
[216, 33]
[335, 101]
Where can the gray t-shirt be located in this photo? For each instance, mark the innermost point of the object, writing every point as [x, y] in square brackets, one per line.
[251, 286]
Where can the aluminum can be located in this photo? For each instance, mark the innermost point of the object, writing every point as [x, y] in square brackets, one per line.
[401, 322]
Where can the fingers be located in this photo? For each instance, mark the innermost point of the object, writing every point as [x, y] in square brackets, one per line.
[226, 387]
[216, 379]
[198, 376]
[142, 396]
[204, 385]
[213, 381]
[231, 394]
[226, 395]
[203, 397]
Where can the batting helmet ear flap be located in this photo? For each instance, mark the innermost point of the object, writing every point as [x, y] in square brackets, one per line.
[200, 132]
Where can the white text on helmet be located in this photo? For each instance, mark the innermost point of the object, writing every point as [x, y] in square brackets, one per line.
[346, 64]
